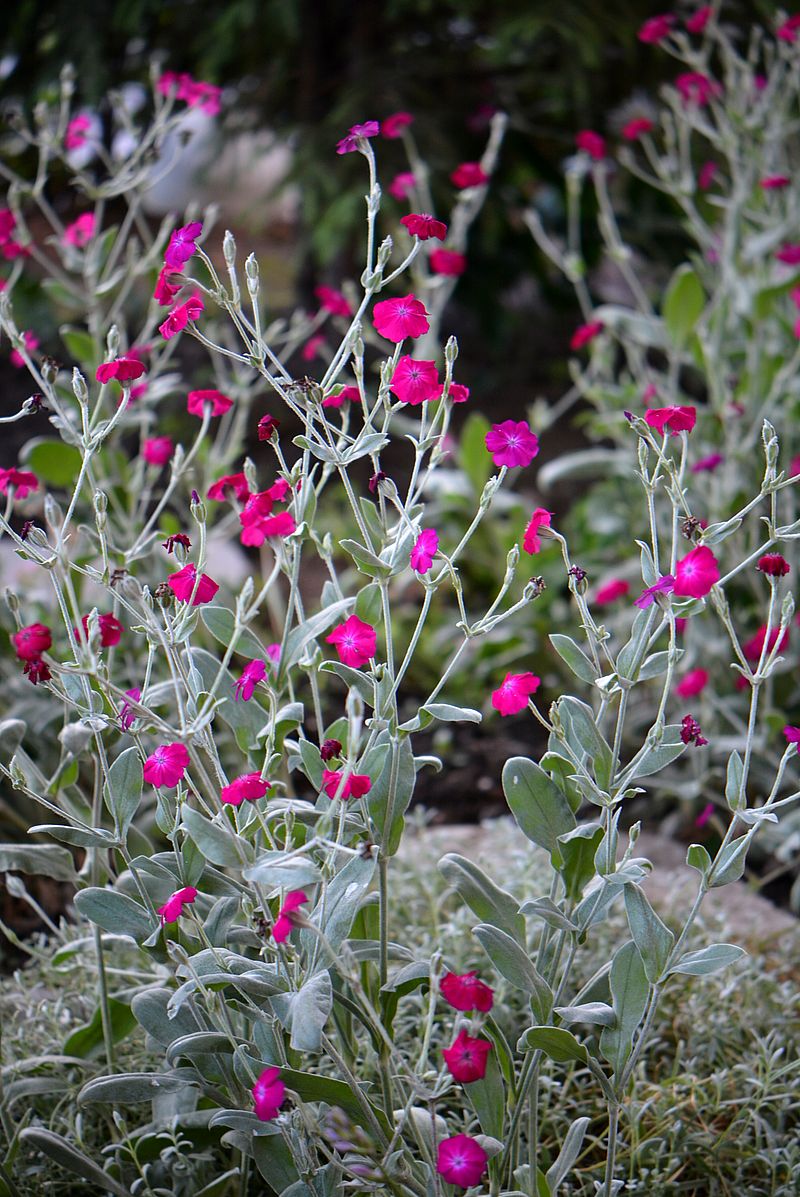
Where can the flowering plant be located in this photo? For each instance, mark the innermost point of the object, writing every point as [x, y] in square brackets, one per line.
[237, 811]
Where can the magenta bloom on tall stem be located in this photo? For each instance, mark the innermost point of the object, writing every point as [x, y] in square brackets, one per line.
[81, 231]
[692, 683]
[282, 927]
[656, 29]
[512, 443]
[531, 541]
[415, 382]
[397, 319]
[182, 584]
[167, 765]
[23, 482]
[592, 144]
[356, 786]
[466, 1058]
[269, 1093]
[253, 673]
[180, 316]
[469, 174]
[355, 641]
[172, 909]
[696, 573]
[465, 992]
[424, 226]
[610, 591]
[675, 419]
[229, 486]
[512, 696]
[664, 585]
[461, 1161]
[127, 716]
[333, 301]
[393, 126]
[448, 262]
[122, 369]
[247, 788]
[637, 128]
[197, 402]
[350, 142]
[182, 245]
[157, 450]
[31, 641]
[424, 550]
[585, 333]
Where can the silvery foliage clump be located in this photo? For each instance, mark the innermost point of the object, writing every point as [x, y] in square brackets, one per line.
[367, 1106]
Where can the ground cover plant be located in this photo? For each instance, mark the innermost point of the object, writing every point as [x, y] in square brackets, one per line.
[223, 769]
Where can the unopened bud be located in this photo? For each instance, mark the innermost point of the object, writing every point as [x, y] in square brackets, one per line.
[512, 560]
[229, 248]
[385, 250]
[79, 388]
[112, 342]
[53, 514]
[451, 350]
[75, 737]
[251, 268]
[787, 610]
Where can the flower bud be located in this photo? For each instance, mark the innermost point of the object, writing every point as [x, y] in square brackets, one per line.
[251, 268]
[79, 388]
[787, 610]
[75, 737]
[229, 248]
[451, 351]
[53, 514]
[386, 247]
[112, 342]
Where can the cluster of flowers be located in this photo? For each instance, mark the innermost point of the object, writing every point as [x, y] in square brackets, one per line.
[182, 245]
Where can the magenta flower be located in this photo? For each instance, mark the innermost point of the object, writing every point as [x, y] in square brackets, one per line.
[696, 573]
[424, 550]
[466, 1058]
[461, 1161]
[787, 32]
[177, 538]
[349, 393]
[531, 542]
[269, 1093]
[165, 291]
[180, 316]
[355, 641]
[253, 673]
[81, 231]
[257, 522]
[229, 486]
[282, 927]
[692, 683]
[707, 463]
[182, 245]
[393, 126]
[469, 174]
[424, 226]
[31, 343]
[182, 584]
[402, 185]
[350, 142]
[23, 482]
[637, 128]
[697, 22]
[198, 400]
[110, 630]
[414, 382]
[773, 564]
[127, 716]
[172, 909]
[695, 88]
[664, 585]
[356, 786]
[706, 175]
[792, 734]
[592, 144]
[31, 641]
[610, 591]
[753, 648]
[676, 419]
[122, 369]
[775, 182]
[247, 788]
[397, 319]
[465, 992]
[157, 450]
[789, 254]
[77, 132]
[312, 348]
[512, 443]
[457, 393]
[656, 29]
[333, 301]
[512, 696]
[448, 262]
[166, 766]
[585, 333]
[705, 815]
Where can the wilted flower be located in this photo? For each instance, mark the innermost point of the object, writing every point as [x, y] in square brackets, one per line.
[330, 749]
[773, 564]
[127, 716]
[531, 542]
[691, 732]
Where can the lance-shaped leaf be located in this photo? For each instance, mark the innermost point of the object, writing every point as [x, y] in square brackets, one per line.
[122, 792]
[485, 899]
[570, 1150]
[540, 809]
[629, 993]
[305, 1013]
[515, 965]
[652, 938]
[708, 960]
